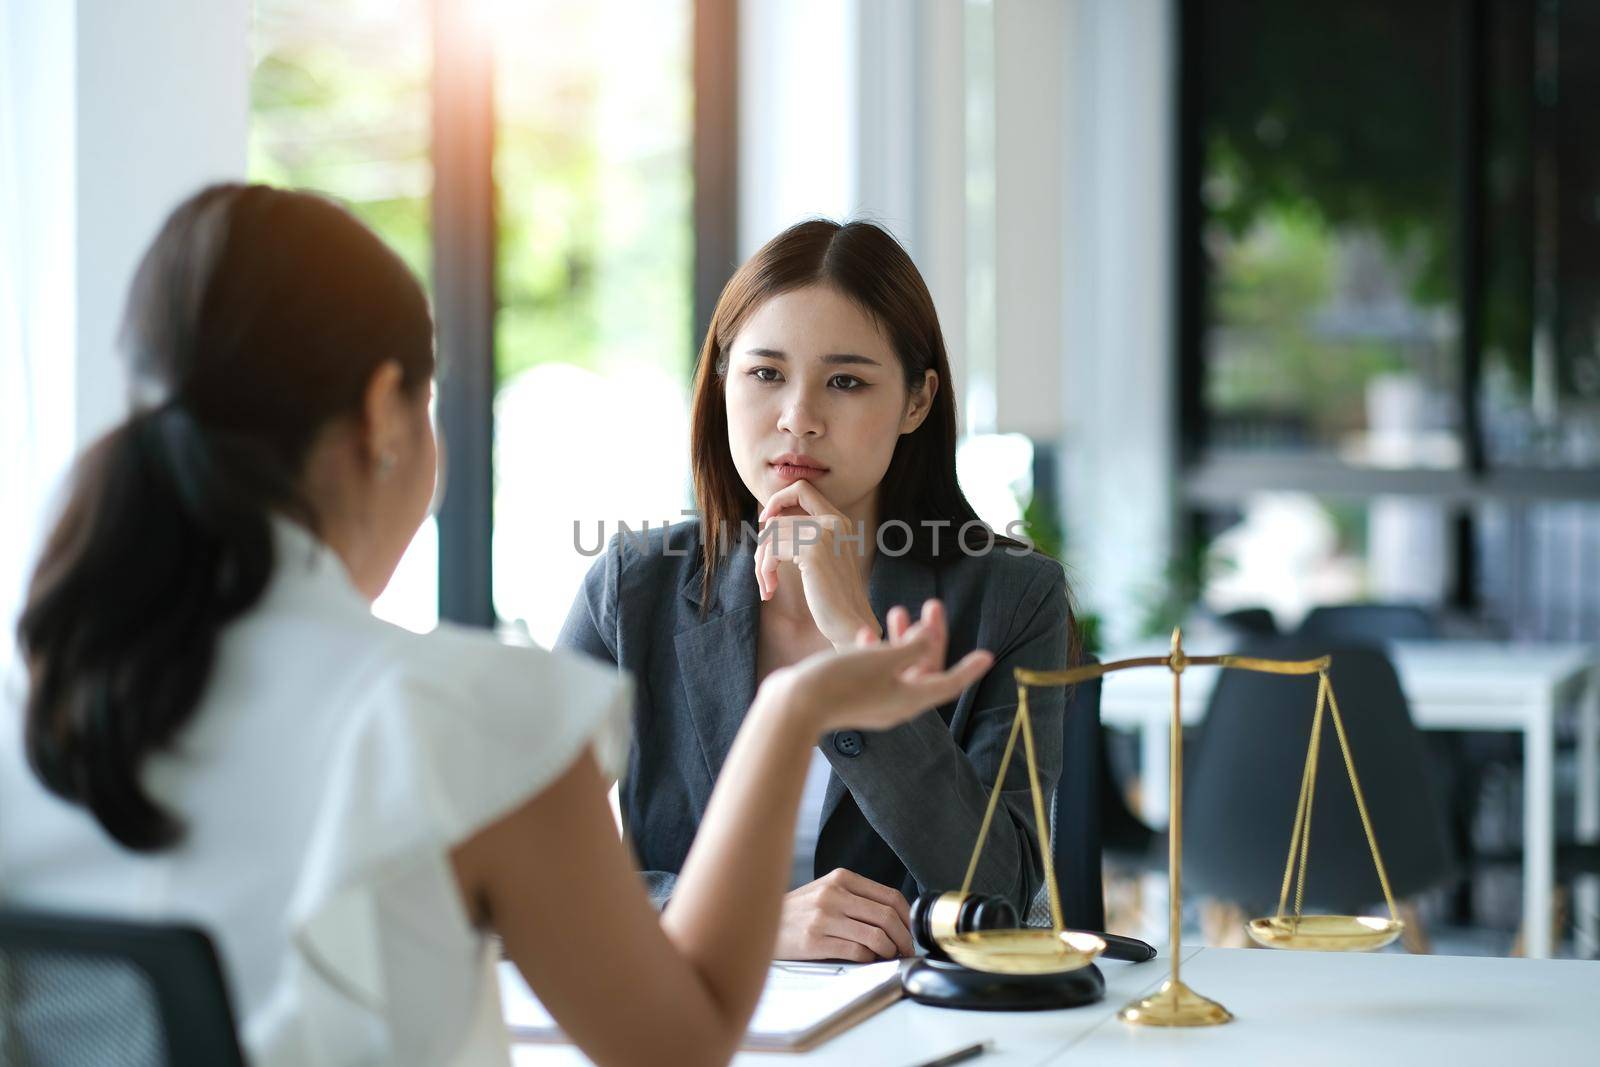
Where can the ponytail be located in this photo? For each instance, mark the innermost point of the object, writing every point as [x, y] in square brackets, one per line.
[158, 551]
[166, 535]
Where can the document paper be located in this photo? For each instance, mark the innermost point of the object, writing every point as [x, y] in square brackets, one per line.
[802, 1005]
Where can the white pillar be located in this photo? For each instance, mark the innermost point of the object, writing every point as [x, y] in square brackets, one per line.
[910, 149]
[1031, 59]
[1118, 382]
[37, 329]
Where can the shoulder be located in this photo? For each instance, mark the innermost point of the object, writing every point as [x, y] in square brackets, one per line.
[1008, 575]
[664, 549]
[1028, 570]
[465, 690]
[637, 561]
[461, 663]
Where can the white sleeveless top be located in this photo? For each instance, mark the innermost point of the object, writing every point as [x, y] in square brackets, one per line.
[333, 763]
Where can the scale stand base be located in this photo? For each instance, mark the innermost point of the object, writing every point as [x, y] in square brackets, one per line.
[949, 985]
[1175, 1004]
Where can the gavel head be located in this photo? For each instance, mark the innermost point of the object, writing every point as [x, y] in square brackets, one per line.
[936, 916]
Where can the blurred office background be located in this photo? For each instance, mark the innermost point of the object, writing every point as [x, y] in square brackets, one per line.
[1251, 304]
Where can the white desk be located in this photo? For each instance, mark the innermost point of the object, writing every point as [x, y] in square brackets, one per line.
[1310, 1008]
[1289, 1007]
[1451, 685]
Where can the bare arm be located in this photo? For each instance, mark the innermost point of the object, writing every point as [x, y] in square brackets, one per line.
[630, 985]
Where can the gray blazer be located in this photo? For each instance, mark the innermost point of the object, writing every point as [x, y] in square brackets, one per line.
[903, 806]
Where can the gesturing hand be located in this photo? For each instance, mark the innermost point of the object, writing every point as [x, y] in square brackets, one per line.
[875, 685]
[801, 526]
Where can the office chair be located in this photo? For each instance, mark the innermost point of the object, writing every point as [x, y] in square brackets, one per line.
[1369, 623]
[1249, 623]
[81, 992]
[1462, 759]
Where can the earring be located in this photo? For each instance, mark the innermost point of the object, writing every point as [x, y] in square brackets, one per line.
[385, 464]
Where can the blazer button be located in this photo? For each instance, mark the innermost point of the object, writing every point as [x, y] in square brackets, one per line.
[847, 743]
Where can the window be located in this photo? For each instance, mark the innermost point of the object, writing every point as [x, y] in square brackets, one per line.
[339, 97]
[1390, 301]
[593, 344]
[577, 346]
[1328, 148]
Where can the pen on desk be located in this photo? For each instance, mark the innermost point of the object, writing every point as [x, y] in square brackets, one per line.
[960, 1055]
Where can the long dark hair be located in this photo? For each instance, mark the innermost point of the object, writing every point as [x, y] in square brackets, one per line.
[256, 318]
[866, 264]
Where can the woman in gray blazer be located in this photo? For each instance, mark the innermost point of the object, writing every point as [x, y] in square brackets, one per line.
[824, 434]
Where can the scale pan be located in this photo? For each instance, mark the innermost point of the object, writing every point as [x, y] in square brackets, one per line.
[1326, 933]
[1031, 951]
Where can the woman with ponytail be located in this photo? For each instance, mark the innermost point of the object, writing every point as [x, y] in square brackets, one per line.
[213, 727]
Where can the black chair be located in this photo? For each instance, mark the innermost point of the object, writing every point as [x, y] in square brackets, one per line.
[1461, 759]
[1249, 623]
[1348, 624]
[1244, 780]
[1075, 817]
[78, 992]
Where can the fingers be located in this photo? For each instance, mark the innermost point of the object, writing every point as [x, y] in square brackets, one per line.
[761, 585]
[868, 935]
[802, 495]
[935, 637]
[912, 647]
[931, 621]
[825, 920]
[885, 920]
[789, 535]
[776, 545]
[767, 570]
[899, 620]
[882, 905]
[862, 886]
[837, 948]
[941, 687]
[934, 621]
[926, 636]
[787, 497]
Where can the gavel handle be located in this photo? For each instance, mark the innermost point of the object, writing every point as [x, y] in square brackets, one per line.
[1127, 949]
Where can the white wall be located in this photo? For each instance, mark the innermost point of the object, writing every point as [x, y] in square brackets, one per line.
[163, 107]
[110, 113]
[797, 114]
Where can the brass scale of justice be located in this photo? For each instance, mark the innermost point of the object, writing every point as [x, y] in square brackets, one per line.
[1057, 950]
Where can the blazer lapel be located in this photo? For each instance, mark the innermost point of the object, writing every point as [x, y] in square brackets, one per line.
[894, 580]
[717, 656]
